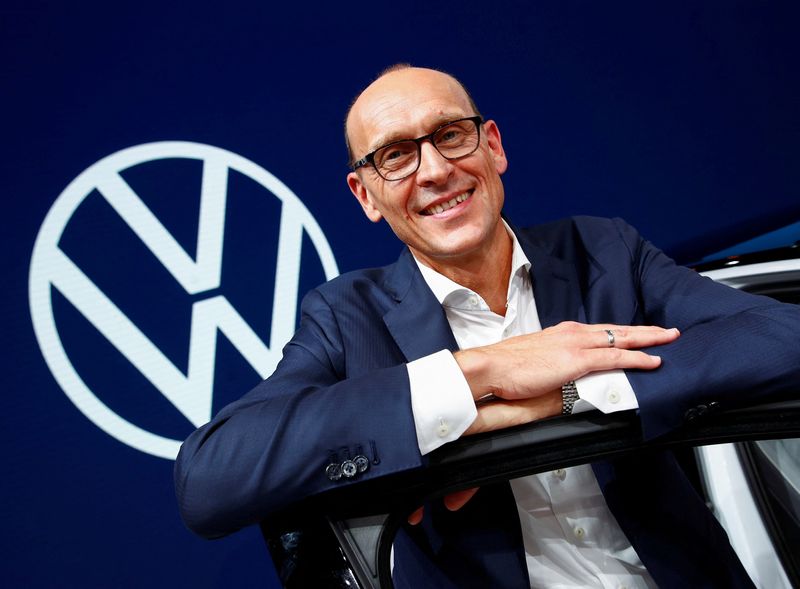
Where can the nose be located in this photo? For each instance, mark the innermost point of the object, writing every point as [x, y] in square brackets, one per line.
[433, 167]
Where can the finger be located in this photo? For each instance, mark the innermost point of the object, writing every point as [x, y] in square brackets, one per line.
[416, 516]
[615, 358]
[576, 327]
[627, 337]
[457, 500]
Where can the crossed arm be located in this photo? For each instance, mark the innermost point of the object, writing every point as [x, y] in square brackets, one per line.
[525, 373]
[343, 382]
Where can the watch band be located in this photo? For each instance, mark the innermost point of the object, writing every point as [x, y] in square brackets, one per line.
[569, 394]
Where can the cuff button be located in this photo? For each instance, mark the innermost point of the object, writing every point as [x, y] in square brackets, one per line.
[334, 471]
[349, 469]
[361, 462]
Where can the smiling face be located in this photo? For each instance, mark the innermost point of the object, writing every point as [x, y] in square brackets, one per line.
[447, 211]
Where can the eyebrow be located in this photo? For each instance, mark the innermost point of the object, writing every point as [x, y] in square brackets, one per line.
[392, 137]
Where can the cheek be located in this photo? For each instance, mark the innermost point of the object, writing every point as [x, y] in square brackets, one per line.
[395, 203]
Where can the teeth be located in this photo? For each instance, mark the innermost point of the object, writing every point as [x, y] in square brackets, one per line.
[441, 207]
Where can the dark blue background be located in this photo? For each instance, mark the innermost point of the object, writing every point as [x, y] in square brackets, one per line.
[683, 119]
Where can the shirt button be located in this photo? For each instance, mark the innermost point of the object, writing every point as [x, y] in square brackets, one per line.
[473, 300]
[560, 474]
[443, 429]
[579, 533]
[613, 396]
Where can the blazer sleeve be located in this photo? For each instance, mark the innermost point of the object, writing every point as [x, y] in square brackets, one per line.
[272, 446]
[734, 347]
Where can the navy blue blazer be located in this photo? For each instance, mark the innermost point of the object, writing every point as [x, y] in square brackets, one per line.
[342, 389]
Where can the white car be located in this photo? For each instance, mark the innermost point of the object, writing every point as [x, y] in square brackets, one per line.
[754, 487]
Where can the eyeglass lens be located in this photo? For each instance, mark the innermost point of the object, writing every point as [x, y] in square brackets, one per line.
[401, 159]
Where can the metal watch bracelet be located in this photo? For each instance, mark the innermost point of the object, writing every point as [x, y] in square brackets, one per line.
[569, 394]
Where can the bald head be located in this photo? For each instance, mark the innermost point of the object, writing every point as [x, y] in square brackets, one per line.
[390, 98]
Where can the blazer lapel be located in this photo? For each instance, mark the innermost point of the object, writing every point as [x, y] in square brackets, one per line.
[418, 323]
[556, 282]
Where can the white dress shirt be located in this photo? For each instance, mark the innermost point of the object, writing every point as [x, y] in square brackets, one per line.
[571, 538]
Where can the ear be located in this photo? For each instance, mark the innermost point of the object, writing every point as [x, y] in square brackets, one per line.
[492, 134]
[363, 197]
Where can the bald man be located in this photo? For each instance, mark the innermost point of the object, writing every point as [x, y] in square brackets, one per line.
[480, 326]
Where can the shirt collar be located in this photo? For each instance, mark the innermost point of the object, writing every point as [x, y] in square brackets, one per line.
[443, 287]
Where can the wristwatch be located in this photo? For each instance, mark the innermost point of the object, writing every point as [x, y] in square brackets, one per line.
[569, 394]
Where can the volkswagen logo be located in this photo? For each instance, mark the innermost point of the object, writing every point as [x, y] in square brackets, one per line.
[188, 388]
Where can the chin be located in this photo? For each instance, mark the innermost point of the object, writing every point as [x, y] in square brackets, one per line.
[461, 247]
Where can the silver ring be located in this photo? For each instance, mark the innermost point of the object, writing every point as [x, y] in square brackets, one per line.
[611, 339]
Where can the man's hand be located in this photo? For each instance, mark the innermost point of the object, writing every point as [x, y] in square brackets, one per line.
[453, 502]
[525, 374]
[501, 413]
[532, 365]
[495, 415]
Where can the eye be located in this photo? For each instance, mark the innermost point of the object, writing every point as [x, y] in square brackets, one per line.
[393, 154]
[396, 154]
[451, 135]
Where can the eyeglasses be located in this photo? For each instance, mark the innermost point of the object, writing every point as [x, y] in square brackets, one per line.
[399, 159]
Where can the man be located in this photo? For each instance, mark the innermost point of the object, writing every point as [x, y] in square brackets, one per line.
[390, 363]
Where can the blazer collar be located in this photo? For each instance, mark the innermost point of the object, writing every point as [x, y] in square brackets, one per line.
[557, 286]
[417, 323]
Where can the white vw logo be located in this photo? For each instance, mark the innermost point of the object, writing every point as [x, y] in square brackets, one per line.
[190, 393]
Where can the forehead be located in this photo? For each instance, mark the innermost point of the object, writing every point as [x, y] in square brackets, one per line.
[404, 104]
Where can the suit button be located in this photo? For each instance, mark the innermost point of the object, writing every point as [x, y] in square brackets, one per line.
[334, 471]
[713, 406]
[362, 462]
[349, 469]
[690, 415]
[702, 410]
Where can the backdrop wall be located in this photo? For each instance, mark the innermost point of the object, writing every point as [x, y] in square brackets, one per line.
[174, 182]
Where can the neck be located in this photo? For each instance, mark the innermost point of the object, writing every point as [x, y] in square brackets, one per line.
[485, 271]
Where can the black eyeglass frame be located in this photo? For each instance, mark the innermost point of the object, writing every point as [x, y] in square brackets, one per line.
[370, 157]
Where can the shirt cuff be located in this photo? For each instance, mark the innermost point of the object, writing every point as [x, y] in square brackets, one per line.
[441, 400]
[608, 391]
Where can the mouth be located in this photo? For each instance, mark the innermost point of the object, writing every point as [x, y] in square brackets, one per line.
[441, 207]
